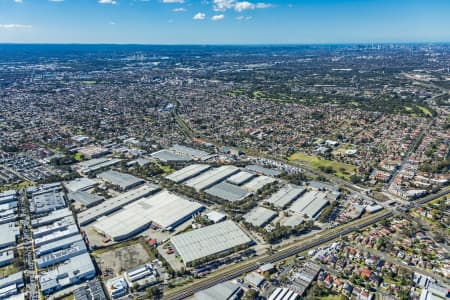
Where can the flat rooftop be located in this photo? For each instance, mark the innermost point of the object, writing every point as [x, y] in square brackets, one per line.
[122, 180]
[285, 195]
[228, 192]
[190, 152]
[211, 177]
[241, 178]
[187, 173]
[164, 208]
[79, 184]
[311, 203]
[209, 240]
[115, 203]
[262, 170]
[258, 183]
[259, 216]
[84, 198]
[167, 156]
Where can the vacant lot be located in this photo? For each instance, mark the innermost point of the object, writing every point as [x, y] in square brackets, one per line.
[121, 258]
[342, 170]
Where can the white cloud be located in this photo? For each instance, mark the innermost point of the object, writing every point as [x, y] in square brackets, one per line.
[263, 5]
[239, 6]
[244, 5]
[243, 18]
[172, 1]
[107, 1]
[199, 16]
[217, 17]
[18, 1]
[221, 5]
[112, 23]
[14, 26]
[179, 9]
[56, 0]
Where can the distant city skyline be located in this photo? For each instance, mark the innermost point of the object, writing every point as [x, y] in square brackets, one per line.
[224, 21]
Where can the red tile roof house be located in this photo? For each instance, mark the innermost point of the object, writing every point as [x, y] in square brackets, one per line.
[366, 273]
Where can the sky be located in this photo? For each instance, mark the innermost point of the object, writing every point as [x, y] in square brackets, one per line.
[224, 21]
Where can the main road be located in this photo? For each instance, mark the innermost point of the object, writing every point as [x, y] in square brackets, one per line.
[278, 256]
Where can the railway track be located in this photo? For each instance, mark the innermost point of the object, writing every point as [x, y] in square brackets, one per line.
[280, 255]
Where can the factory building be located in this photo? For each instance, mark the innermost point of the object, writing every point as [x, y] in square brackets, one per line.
[6, 257]
[8, 196]
[76, 270]
[85, 199]
[114, 204]
[259, 216]
[51, 217]
[56, 226]
[311, 204]
[117, 287]
[122, 181]
[43, 203]
[8, 235]
[80, 184]
[211, 177]
[10, 285]
[97, 165]
[223, 291]
[285, 196]
[218, 239]
[187, 173]
[168, 156]
[58, 245]
[229, 192]
[165, 209]
[58, 256]
[56, 235]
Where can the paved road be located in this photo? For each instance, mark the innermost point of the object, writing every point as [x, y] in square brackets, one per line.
[280, 255]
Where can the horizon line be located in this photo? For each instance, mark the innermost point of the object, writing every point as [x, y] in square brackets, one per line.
[228, 44]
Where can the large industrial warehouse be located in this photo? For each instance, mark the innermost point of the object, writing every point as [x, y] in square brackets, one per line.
[228, 192]
[87, 216]
[165, 209]
[212, 177]
[220, 238]
[259, 216]
[122, 180]
[311, 204]
[187, 173]
[285, 196]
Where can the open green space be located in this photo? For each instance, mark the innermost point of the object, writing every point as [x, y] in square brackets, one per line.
[340, 169]
[8, 270]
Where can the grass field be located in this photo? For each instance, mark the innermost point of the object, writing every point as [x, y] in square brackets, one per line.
[8, 270]
[425, 110]
[342, 170]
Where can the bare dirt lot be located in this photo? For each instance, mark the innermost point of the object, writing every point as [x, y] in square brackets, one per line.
[117, 260]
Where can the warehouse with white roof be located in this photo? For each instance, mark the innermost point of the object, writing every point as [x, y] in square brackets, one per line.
[187, 173]
[258, 183]
[311, 204]
[285, 196]
[259, 216]
[123, 181]
[165, 209]
[241, 178]
[217, 239]
[228, 192]
[212, 177]
[87, 216]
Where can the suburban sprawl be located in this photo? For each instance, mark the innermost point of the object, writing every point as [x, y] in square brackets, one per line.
[225, 172]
